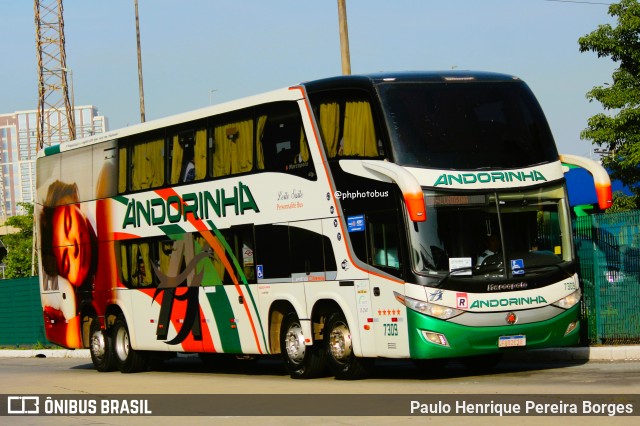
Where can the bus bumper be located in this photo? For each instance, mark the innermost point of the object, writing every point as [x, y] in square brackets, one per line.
[460, 340]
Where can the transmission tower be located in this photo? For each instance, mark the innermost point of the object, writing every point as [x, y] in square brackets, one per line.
[55, 115]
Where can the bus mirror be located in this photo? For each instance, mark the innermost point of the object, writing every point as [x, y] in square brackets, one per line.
[408, 184]
[415, 206]
[601, 178]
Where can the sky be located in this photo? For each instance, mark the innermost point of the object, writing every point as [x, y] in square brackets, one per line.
[198, 52]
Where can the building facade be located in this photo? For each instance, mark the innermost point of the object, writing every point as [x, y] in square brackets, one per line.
[18, 146]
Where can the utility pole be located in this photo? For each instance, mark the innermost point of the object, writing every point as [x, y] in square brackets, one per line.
[344, 37]
[142, 118]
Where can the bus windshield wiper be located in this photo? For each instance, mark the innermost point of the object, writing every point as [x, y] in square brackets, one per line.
[547, 265]
[467, 268]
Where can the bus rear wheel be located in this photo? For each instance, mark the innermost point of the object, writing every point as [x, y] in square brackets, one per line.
[339, 350]
[302, 361]
[101, 348]
[128, 360]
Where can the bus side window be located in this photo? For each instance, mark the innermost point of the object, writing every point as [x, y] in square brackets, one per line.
[384, 245]
[272, 253]
[329, 121]
[382, 232]
[283, 145]
[358, 134]
[240, 240]
[188, 156]
[147, 164]
[348, 128]
[307, 257]
[233, 150]
[122, 169]
[136, 263]
[212, 267]
[330, 266]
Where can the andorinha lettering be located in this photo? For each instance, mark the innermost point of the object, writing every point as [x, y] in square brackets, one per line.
[488, 177]
[194, 205]
[511, 301]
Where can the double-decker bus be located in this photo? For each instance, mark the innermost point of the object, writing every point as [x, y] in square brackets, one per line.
[332, 222]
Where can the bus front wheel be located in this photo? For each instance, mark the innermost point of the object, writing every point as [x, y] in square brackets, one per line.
[128, 360]
[302, 361]
[339, 350]
[101, 347]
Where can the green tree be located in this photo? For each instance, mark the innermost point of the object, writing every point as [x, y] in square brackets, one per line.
[622, 203]
[620, 132]
[20, 244]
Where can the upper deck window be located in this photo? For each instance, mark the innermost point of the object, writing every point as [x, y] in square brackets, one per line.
[188, 151]
[466, 125]
[347, 124]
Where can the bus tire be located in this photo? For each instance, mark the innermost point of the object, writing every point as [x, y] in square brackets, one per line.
[128, 360]
[343, 363]
[101, 348]
[302, 361]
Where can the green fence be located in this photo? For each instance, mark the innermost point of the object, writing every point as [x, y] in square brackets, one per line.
[21, 322]
[608, 248]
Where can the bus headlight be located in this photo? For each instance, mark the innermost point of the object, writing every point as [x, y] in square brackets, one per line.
[569, 301]
[431, 309]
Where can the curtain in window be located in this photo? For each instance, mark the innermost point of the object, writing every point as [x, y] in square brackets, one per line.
[147, 165]
[200, 154]
[140, 265]
[122, 169]
[359, 133]
[329, 125]
[233, 148]
[176, 160]
[124, 262]
[304, 147]
[166, 248]
[259, 133]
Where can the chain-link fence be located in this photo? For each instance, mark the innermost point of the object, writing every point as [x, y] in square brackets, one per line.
[608, 248]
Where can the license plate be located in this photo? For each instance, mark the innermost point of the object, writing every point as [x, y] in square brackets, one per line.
[511, 341]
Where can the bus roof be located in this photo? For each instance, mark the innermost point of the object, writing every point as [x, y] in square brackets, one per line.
[447, 76]
[364, 80]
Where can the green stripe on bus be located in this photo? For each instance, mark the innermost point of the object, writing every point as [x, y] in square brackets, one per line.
[171, 229]
[223, 314]
[242, 276]
[121, 199]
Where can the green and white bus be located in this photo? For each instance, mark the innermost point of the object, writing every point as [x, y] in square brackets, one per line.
[332, 222]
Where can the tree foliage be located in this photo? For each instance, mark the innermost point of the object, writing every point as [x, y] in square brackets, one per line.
[622, 203]
[20, 244]
[619, 132]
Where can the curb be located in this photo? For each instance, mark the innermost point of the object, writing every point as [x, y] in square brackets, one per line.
[593, 353]
[45, 353]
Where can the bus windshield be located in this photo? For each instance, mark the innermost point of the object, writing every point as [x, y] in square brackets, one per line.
[466, 125]
[474, 235]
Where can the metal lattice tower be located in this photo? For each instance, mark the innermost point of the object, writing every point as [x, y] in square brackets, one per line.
[55, 116]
